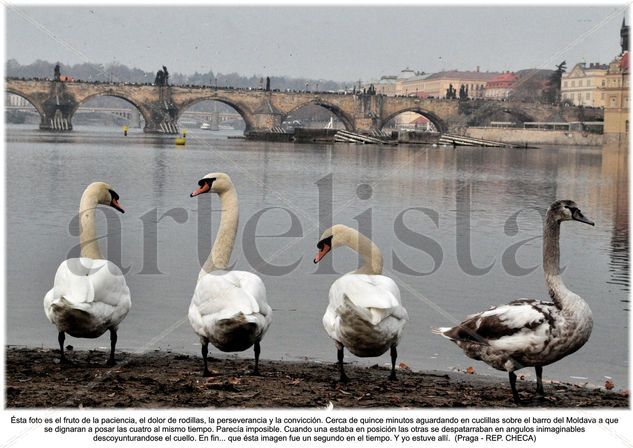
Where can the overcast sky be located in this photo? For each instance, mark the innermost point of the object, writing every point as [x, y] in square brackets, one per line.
[325, 42]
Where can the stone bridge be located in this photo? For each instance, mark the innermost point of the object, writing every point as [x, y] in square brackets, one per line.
[161, 106]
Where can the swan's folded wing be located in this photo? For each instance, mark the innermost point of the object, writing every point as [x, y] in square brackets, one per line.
[374, 297]
[223, 294]
[110, 287]
[254, 286]
[72, 281]
[508, 327]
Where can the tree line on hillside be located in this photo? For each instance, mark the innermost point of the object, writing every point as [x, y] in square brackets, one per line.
[115, 72]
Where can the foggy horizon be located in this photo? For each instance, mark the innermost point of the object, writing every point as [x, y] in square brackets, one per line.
[318, 42]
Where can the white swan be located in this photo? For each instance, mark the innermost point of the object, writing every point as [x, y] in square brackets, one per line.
[528, 332]
[89, 295]
[364, 313]
[228, 308]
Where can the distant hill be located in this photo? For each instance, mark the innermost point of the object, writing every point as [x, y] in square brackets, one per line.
[122, 73]
[531, 84]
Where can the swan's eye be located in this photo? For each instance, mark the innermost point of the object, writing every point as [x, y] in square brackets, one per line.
[206, 180]
[324, 241]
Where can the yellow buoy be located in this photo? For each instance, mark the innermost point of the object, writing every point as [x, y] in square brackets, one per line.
[125, 130]
[180, 140]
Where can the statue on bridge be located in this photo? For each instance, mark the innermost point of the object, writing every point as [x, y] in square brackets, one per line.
[463, 92]
[451, 93]
[166, 73]
[162, 77]
[56, 73]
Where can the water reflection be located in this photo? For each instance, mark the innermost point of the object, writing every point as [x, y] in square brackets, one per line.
[615, 168]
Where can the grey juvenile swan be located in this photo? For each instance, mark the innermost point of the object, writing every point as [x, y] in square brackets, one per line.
[528, 332]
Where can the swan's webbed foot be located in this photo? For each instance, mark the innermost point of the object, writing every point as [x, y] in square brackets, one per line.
[343, 378]
[113, 338]
[257, 349]
[513, 386]
[205, 351]
[394, 356]
[539, 382]
[61, 337]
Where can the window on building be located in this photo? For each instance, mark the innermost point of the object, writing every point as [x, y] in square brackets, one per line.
[564, 83]
[573, 83]
[612, 101]
[603, 83]
[587, 95]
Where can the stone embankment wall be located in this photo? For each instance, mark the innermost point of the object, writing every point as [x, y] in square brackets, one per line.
[537, 136]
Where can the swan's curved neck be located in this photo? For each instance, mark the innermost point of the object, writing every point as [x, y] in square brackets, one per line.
[551, 264]
[225, 238]
[87, 233]
[369, 252]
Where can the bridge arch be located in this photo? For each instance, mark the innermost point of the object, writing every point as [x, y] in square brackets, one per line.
[144, 113]
[240, 109]
[36, 104]
[439, 124]
[346, 119]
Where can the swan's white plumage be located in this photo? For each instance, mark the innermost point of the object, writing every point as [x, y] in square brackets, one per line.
[228, 308]
[226, 295]
[95, 288]
[364, 313]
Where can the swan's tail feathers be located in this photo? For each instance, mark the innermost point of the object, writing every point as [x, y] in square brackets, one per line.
[236, 333]
[65, 305]
[68, 315]
[442, 331]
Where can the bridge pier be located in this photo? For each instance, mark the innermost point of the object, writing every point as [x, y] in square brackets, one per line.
[162, 114]
[58, 109]
[265, 118]
[364, 125]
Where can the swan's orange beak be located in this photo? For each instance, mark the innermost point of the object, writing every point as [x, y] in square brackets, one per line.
[324, 250]
[203, 189]
[114, 203]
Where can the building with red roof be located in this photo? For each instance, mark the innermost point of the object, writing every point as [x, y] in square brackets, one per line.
[500, 86]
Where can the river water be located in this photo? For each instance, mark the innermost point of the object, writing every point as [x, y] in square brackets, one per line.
[459, 229]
